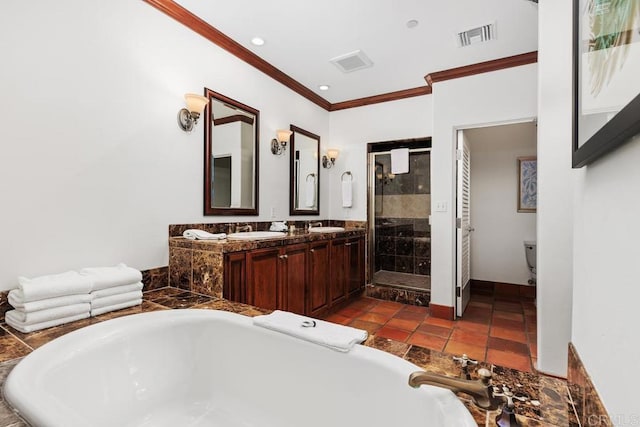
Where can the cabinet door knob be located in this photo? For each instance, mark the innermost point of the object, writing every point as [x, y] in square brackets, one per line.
[312, 250]
[348, 244]
[284, 256]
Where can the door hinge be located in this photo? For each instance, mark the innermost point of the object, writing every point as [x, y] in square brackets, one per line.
[458, 291]
[459, 154]
[458, 222]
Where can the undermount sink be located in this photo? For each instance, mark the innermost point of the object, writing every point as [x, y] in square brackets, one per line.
[325, 229]
[254, 235]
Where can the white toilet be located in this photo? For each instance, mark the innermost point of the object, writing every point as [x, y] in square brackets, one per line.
[530, 253]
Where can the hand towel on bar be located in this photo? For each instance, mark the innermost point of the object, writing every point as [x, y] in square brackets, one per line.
[114, 307]
[117, 290]
[336, 337]
[347, 193]
[400, 160]
[115, 299]
[43, 304]
[54, 285]
[24, 328]
[194, 234]
[110, 277]
[310, 192]
[33, 317]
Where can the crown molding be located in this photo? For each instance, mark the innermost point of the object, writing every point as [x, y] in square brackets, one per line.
[482, 67]
[384, 97]
[188, 19]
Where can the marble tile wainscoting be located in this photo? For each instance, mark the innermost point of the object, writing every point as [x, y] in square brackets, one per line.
[551, 403]
[589, 407]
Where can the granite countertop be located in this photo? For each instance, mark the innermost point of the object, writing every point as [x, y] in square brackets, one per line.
[550, 402]
[227, 245]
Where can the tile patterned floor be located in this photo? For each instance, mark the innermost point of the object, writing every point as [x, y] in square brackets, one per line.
[495, 329]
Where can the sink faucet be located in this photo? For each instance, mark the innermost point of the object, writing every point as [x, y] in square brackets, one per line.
[314, 224]
[480, 390]
[246, 227]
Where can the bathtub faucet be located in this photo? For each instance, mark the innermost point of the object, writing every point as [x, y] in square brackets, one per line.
[480, 390]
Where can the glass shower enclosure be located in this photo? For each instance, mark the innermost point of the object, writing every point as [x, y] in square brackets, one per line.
[400, 235]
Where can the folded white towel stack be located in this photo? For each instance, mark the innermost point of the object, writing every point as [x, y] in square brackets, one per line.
[39, 316]
[54, 285]
[114, 288]
[334, 336]
[46, 301]
[117, 290]
[194, 234]
[43, 304]
[109, 277]
[26, 327]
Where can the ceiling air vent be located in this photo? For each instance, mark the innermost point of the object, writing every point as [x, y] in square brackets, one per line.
[353, 61]
[477, 35]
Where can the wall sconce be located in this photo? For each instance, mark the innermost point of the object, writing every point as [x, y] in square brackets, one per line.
[329, 160]
[188, 117]
[279, 144]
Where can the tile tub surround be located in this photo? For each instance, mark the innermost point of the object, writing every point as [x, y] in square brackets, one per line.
[197, 265]
[589, 407]
[155, 278]
[555, 408]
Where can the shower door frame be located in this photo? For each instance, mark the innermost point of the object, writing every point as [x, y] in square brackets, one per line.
[415, 145]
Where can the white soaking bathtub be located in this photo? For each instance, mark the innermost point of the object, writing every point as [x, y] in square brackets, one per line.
[209, 368]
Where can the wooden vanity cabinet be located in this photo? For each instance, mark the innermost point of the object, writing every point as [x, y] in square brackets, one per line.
[355, 265]
[319, 278]
[276, 278]
[338, 282]
[234, 283]
[304, 278]
[347, 268]
[293, 278]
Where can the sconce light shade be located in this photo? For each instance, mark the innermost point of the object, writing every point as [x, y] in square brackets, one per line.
[188, 117]
[196, 103]
[329, 160]
[279, 144]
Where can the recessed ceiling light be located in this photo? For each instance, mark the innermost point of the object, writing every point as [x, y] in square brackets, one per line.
[257, 41]
[412, 23]
[323, 87]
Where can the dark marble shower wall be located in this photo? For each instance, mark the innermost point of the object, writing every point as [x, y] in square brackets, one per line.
[403, 245]
[402, 231]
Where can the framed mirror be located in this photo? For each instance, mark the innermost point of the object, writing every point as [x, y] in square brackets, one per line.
[230, 157]
[304, 193]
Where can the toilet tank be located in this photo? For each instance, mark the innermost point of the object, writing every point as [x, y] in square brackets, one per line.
[530, 252]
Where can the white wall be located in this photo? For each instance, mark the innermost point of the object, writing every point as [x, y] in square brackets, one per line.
[605, 233]
[93, 165]
[350, 132]
[498, 97]
[554, 216]
[497, 250]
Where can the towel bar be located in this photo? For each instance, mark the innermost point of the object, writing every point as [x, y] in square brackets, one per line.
[346, 173]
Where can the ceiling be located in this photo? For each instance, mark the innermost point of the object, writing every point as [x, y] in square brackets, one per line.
[301, 37]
